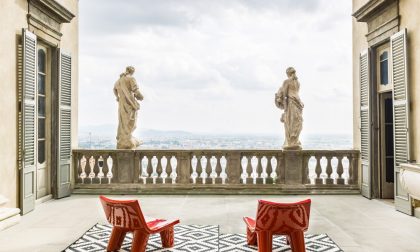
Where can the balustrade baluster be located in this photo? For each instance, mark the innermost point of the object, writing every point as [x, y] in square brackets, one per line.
[166, 168]
[94, 170]
[249, 171]
[208, 170]
[90, 165]
[259, 171]
[218, 169]
[112, 174]
[149, 179]
[103, 170]
[173, 166]
[269, 170]
[199, 168]
[243, 163]
[224, 172]
[340, 171]
[318, 170]
[194, 168]
[159, 170]
[79, 169]
[329, 180]
[353, 165]
[305, 173]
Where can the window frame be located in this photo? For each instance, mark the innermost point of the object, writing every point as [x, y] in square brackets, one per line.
[381, 88]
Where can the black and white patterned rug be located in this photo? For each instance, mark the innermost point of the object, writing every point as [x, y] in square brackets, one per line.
[313, 242]
[195, 238]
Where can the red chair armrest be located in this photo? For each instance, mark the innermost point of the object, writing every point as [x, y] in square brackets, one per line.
[250, 223]
[159, 225]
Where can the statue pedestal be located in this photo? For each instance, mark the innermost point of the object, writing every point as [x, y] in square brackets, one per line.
[293, 163]
[125, 167]
[8, 216]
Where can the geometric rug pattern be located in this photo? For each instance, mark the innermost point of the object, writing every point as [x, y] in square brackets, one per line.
[313, 242]
[195, 238]
[187, 238]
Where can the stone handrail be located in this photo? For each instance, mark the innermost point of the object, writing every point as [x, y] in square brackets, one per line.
[215, 171]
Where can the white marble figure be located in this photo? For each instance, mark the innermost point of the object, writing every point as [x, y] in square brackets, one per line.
[287, 99]
[127, 94]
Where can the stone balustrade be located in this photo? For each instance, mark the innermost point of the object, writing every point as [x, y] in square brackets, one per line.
[216, 171]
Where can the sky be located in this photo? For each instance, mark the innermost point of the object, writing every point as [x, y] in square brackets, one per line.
[213, 66]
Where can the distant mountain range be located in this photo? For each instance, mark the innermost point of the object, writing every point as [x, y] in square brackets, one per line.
[110, 130]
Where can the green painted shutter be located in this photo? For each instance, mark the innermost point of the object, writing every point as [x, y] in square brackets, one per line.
[401, 103]
[64, 130]
[365, 125]
[27, 126]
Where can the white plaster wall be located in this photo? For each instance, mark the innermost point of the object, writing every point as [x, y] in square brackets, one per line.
[12, 20]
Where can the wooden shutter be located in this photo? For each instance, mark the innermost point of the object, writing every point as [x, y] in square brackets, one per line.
[365, 125]
[64, 126]
[401, 104]
[27, 124]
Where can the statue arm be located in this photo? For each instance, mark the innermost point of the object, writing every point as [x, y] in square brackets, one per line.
[135, 90]
[116, 92]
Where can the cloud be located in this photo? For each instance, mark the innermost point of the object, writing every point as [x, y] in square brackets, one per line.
[216, 61]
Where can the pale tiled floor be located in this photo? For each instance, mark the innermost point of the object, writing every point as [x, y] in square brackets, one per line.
[353, 222]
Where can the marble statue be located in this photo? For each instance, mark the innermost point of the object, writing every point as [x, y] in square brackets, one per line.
[127, 94]
[287, 99]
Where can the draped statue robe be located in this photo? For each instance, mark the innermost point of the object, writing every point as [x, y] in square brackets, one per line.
[287, 99]
[127, 93]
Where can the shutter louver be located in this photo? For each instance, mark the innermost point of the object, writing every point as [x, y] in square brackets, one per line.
[64, 167]
[401, 110]
[26, 126]
[365, 123]
[401, 103]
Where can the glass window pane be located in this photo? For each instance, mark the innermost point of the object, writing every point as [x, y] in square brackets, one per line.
[41, 151]
[41, 105]
[41, 127]
[384, 72]
[389, 111]
[41, 61]
[384, 56]
[41, 84]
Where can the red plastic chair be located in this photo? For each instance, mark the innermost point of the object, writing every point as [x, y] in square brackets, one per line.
[126, 216]
[290, 219]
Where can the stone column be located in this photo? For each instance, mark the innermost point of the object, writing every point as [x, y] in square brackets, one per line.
[8, 216]
[293, 162]
[184, 167]
[234, 168]
[125, 167]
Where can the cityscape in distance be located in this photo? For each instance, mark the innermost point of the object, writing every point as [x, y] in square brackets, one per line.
[103, 137]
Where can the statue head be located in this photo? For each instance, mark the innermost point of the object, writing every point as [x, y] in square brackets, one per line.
[291, 73]
[128, 71]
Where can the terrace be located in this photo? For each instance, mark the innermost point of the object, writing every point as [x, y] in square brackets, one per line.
[354, 223]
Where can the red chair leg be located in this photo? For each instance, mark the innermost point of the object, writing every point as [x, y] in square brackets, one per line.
[287, 240]
[297, 241]
[116, 239]
[251, 237]
[265, 242]
[167, 237]
[139, 241]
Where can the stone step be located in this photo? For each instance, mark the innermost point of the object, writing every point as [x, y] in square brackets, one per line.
[6, 213]
[9, 217]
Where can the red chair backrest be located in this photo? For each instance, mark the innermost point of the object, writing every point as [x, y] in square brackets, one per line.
[282, 218]
[124, 213]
